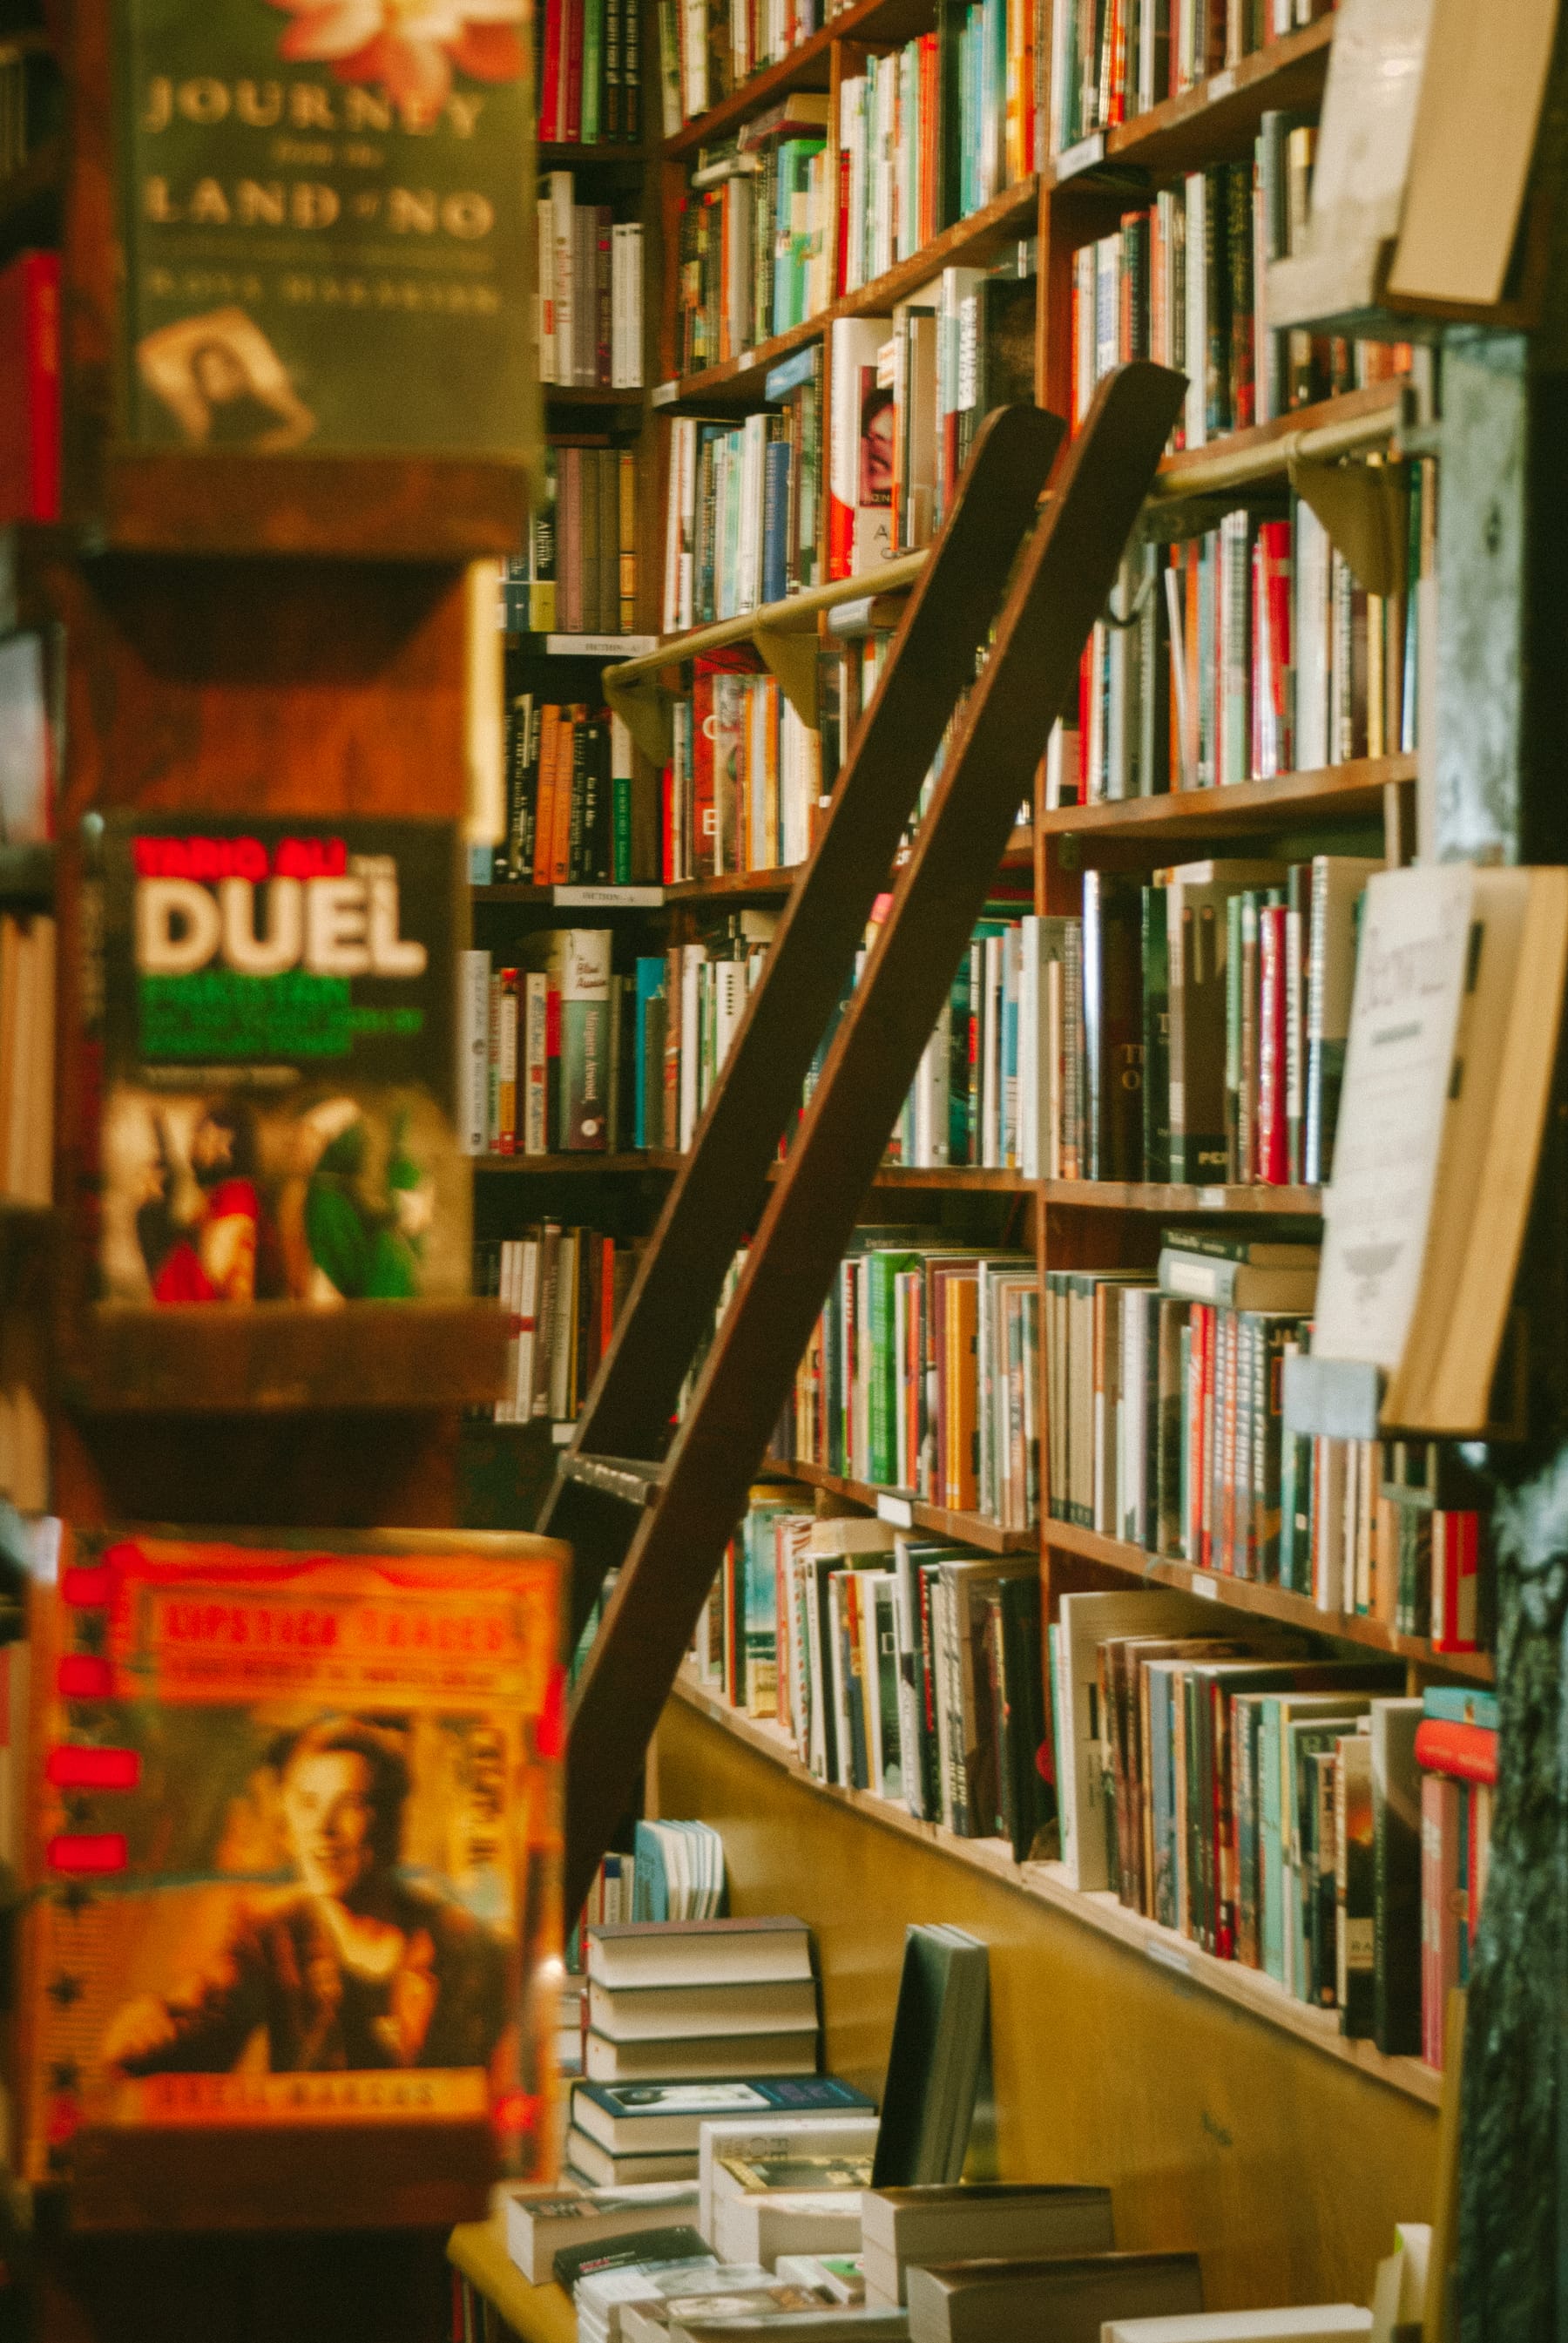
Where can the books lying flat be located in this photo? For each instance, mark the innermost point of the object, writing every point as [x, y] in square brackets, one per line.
[841, 2323]
[537, 2226]
[700, 1952]
[901, 2226]
[656, 2011]
[788, 2221]
[1070, 2300]
[603, 2296]
[685, 2315]
[1319, 2322]
[838, 2275]
[599, 2168]
[746, 2144]
[695, 2057]
[638, 2118]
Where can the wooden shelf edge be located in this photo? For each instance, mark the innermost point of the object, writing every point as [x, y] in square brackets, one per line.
[279, 1357]
[1163, 1196]
[1046, 1883]
[1265, 1602]
[432, 511]
[1185, 813]
[964, 1529]
[535, 2314]
[645, 1158]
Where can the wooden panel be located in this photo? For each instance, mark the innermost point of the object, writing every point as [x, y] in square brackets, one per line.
[286, 1356]
[1108, 2067]
[353, 2175]
[394, 2287]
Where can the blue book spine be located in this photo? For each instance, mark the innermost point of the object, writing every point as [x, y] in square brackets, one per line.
[775, 520]
[650, 989]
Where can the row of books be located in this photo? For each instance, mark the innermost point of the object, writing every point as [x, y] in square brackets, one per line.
[709, 48]
[1271, 1806]
[576, 574]
[587, 72]
[590, 292]
[1195, 1028]
[672, 1871]
[922, 1374]
[755, 249]
[1182, 280]
[977, 1087]
[568, 796]
[563, 1289]
[931, 132]
[906, 1668]
[1251, 650]
[1165, 1429]
[744, 779]
[690, 1007]
[1106, 72]
[743, 511]
[546, 1052]
[745, 502]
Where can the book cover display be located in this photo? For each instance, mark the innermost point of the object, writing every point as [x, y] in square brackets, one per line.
[275, 1005]
[325, 225]
[295, 1837]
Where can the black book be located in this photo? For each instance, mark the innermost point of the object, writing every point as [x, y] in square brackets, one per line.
[940, 2037]
[679, 2244]
[1113, 1025]
[1156, 1093]
[1396, 1877]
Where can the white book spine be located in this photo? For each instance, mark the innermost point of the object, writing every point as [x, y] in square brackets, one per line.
[474, 1050]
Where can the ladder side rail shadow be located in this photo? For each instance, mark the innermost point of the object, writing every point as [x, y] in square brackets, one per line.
[1059, 590]
[718, 1192]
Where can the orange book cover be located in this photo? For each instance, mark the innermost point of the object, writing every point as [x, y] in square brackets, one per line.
[962, 1323]
[544, 817]
[561, 845]
[293, 1836]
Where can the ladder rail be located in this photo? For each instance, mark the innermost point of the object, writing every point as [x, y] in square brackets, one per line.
[720, 1190]
[1059, 589]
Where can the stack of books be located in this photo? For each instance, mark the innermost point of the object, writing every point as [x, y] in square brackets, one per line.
[755, 247]
[903, 2228]
[539, 2223]
[798, 2197]
[590, 291]
[564, 1289]
[547, 1047]
[625, 2132]
[700, 1999]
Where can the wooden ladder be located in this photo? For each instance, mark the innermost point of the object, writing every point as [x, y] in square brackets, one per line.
[660, 1501]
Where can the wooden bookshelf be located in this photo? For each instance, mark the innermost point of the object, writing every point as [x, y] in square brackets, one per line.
[913, 1513]
[1265, 1602]
[806, 66]
[581, 1163]
[1172, 1196]
[1217, 118]
[1353, 792]
[1047, 1885]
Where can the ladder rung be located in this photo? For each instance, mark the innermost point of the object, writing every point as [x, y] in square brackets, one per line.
[631, 1478]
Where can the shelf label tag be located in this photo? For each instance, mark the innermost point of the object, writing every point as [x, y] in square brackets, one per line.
[1167, 1956]
[1203, 1582]
[609, 899]
[664, 393]
[561, 1435]
[1083, 157]
[605, 646]
[900, 1510]
[1223, 86]
[1211, 1200]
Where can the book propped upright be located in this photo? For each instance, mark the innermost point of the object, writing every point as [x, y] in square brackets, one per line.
[291, 1867]
[1453, 1040]
[940, 2045]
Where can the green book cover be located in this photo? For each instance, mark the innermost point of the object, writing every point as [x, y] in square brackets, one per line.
[276, 1006]
[323, 224]
[593, 70]
[620, 830]
[887, 1377]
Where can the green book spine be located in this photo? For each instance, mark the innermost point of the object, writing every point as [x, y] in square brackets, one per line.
[620, 830]
[593, 70]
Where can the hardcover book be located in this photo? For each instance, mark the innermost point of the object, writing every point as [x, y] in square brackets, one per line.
[294, 1837]
[275, 1004]
[325, 225]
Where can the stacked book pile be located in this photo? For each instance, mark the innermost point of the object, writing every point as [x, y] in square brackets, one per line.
[700, 1999]
[626, 2134]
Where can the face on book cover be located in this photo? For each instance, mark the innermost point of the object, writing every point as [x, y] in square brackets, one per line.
[359, 1964]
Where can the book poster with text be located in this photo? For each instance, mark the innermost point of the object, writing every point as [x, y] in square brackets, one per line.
[298, 1839]
[325, 211]
[276, 1005]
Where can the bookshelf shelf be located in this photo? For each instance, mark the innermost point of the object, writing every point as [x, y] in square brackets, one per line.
[566, 155]
[1047, 1883]
[560, 393]
[1218, 117]
[1172, 1196]
[281, 1356]
[738, 381]
[1267, 1602]
[581, 1164]
[26, 877]
[1352, 791]
[968, 1529]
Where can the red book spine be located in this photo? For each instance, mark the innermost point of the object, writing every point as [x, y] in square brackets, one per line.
[1274, 1150]
[43, 359]
[550, 80]
[702, 808]
[1467, 1752]
[574, 122]
[666, 825]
